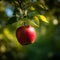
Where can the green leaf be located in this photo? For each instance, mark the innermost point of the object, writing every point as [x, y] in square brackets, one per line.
[32, 8]
[43, 6]
[36, 20]
[11, 20]
[31, 22]
[43, 18]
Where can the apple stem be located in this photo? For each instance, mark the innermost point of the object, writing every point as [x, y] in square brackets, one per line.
[24, 23]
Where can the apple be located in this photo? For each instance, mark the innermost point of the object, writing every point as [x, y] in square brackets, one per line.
[26, 35]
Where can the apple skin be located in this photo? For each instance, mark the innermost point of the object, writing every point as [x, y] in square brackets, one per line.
[26, 35]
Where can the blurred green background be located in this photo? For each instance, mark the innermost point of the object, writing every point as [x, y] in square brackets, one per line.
[47, 44]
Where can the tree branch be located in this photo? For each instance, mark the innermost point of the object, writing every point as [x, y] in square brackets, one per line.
[20, 4]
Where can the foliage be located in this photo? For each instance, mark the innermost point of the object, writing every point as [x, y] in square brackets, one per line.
[44, 15]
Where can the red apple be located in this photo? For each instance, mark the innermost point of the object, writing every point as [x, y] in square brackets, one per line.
[26, 35]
